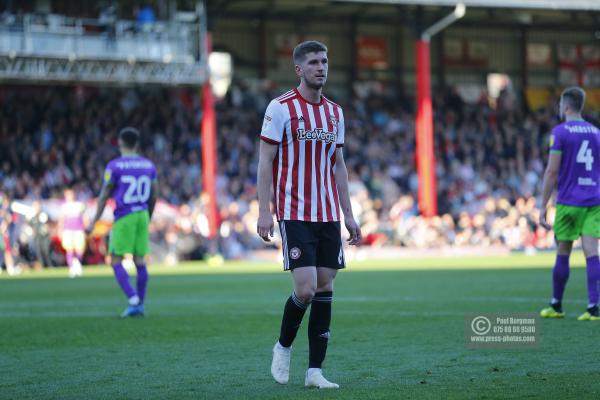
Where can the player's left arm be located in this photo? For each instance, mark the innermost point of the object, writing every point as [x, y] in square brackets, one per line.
[341, 180]
[105, 193]
[550, 179]
[153, 196]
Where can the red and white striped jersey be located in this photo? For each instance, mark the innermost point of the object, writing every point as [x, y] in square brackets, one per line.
[304, 168]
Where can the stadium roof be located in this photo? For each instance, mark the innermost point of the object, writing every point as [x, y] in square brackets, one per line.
[526, 4]
[572, 16]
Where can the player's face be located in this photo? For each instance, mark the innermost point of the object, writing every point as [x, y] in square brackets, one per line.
[69, 195]
[313, 70]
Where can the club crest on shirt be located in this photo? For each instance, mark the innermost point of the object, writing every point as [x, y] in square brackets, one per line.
[295, 253]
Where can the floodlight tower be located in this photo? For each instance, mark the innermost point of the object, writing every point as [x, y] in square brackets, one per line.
[425, 155]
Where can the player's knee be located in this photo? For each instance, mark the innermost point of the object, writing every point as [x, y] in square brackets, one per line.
[590, 253]
[589, 246]
[325, 287]
[139, 261]
[306, 294]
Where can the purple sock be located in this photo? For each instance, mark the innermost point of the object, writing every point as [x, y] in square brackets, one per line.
[142, 281]
[69, 258]
[123, 280]
[560, 276]
[593, 277]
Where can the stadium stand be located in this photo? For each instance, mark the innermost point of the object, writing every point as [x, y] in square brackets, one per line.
[489, 158]
[491, 162]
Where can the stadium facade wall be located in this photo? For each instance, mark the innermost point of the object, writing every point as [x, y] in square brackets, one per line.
[503, 50]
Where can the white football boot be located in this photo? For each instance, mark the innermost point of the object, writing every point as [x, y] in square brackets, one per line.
[280, 366]
[315, 378]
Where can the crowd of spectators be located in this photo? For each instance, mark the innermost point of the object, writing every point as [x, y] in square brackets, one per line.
[489, 166]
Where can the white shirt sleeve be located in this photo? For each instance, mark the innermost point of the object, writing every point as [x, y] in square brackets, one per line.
[273, 123]
[341, 130]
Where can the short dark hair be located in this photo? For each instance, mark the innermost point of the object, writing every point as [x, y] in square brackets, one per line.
[130, 136]
[574, 96]
[310, 46]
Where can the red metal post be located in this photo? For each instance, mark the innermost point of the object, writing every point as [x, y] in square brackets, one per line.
[209, 152]
[425, 156]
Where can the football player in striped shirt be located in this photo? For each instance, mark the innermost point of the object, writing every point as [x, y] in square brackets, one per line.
[301, 159]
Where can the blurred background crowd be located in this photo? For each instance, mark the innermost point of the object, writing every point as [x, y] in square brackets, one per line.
[490, 162]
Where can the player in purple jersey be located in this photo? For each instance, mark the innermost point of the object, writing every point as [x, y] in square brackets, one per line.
[573, 164]
[131, 181]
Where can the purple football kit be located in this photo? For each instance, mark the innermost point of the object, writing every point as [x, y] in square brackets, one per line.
[132, 177]
[578, 199]
[579, 145]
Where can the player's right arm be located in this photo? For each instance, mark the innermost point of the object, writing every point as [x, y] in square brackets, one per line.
[271, 135]
[265, 225]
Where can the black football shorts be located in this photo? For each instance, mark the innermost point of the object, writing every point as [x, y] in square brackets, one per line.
[312, 244]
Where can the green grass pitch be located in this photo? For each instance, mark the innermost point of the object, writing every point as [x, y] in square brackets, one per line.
[397, 333]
